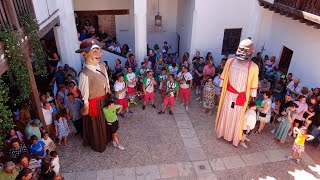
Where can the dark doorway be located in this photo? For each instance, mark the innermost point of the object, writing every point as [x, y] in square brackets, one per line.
[178, 38]
[285, 59]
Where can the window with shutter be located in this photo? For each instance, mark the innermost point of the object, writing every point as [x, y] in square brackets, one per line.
[231, 40]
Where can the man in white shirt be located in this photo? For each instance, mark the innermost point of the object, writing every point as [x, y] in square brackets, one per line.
[148, 89]
[185, 82]
[114, 48]
[47, 114]
[131, 80]
[142, 72]
[294, 88]
[49, 144]
[121, 93]
[173, 69]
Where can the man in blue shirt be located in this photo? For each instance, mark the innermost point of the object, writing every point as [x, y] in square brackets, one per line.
[37, 147]
[73, 108]
[59, 77]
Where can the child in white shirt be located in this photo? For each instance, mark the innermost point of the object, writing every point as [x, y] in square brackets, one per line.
[55, 161]
[250, 119]
[49, 144]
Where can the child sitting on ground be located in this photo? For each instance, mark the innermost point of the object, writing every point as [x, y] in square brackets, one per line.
[250, 119]
[50, 146]
[55, 161]
[110, 113]
[298, 146]
[61, 129]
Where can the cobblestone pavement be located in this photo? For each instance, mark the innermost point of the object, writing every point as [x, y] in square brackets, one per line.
[182, 146]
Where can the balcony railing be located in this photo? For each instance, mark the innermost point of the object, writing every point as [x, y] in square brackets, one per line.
[311, 6]
[11, 10]
[22, 7]
[4, 15]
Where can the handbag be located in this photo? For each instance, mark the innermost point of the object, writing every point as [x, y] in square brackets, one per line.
[261, 114]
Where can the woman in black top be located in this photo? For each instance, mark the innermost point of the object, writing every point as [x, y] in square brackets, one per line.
[52, 58]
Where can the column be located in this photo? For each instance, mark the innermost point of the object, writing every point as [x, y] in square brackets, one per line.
[66, 35]
[140, 29]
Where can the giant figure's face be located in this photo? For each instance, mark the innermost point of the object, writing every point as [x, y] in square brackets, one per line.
[245, 50]
[93, 56]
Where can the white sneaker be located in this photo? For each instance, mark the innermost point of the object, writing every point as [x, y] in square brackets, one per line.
[273, 131]
[247, 139]
[243, 145]
[290, 133]
[298, 161]
[187, 108]
[114, 144]
[290, 157]
[121, 147]
[198, 99]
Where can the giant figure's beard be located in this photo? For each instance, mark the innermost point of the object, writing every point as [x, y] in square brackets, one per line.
[243, 56]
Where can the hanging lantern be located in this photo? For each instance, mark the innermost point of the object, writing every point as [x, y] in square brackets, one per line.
[158, 18]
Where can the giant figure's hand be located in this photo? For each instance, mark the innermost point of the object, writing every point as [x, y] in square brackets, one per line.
[85, 109]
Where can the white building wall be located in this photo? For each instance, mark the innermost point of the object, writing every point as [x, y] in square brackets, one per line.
[212, 17]
[185, 24]
[157, 35]
[125, 27]
[303, 40]
[66, 35]
[43, 10]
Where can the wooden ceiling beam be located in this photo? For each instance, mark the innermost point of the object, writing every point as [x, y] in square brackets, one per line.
[304, 17]
[103, 12]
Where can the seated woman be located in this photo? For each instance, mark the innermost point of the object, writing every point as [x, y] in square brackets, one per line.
[12, 135]
[125, 49]
[26, 162]
[16, 150]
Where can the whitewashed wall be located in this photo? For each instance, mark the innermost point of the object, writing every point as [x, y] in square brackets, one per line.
[168, 11]
[185, 24]
[212, 17]
[303, 40]
[43, 9]
[66, 35]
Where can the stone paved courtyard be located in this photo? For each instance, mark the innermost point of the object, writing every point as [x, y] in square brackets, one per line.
[182, 146]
